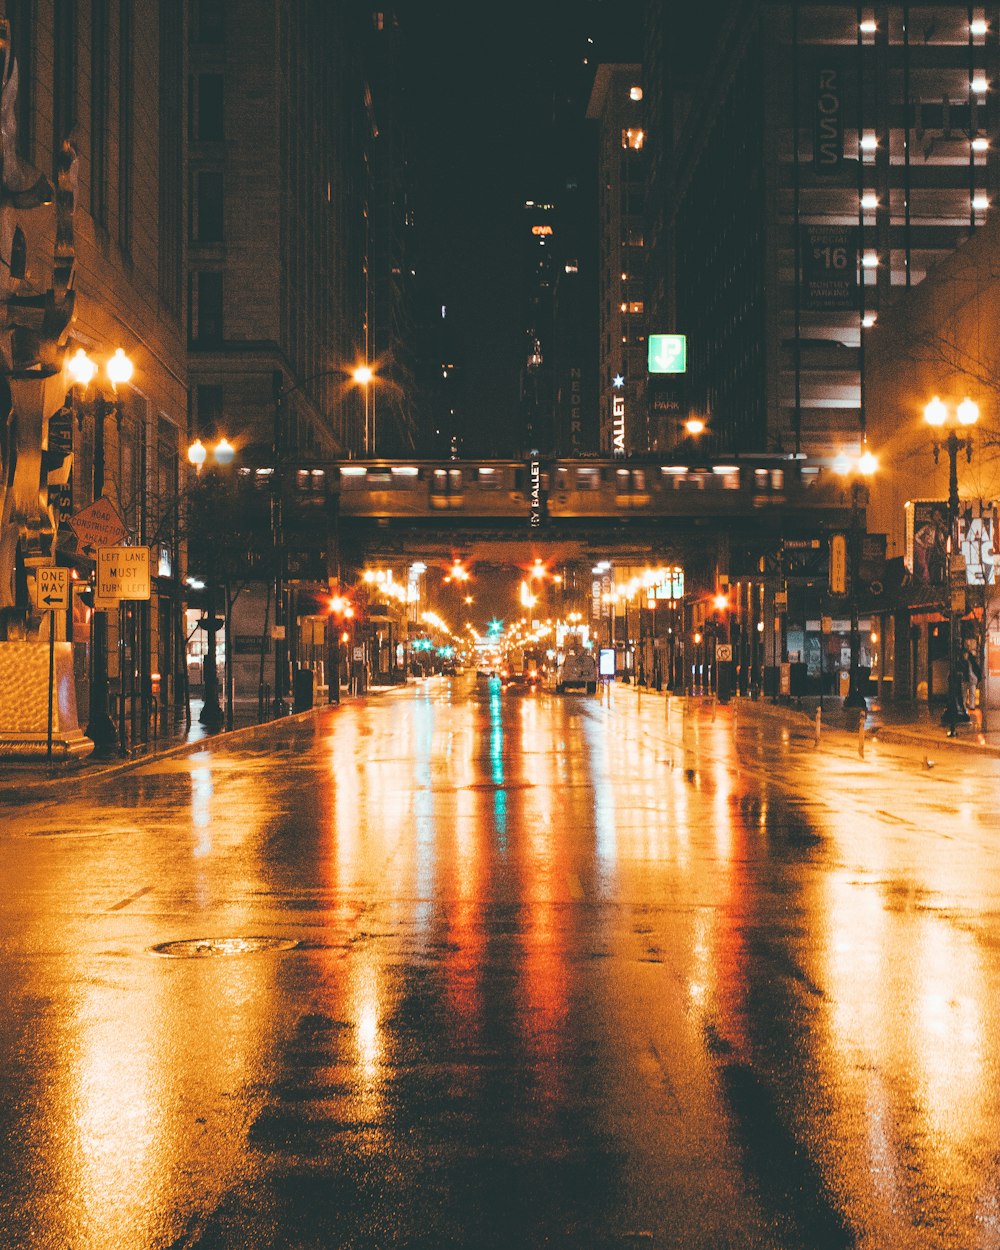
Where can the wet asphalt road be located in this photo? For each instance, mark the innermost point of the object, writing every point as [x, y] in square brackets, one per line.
[546, 972]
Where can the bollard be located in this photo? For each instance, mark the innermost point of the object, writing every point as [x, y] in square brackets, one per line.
[638, 697]
[861, 735]
[819, 724]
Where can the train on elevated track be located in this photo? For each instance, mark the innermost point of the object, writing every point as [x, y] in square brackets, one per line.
[582, 487]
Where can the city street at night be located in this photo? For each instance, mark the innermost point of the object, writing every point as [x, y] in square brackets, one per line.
[459, 966]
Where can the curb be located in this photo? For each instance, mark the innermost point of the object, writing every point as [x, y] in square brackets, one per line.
[12, 793]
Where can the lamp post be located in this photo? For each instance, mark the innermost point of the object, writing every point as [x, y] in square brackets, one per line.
[212, 715]
[860, 470]
[937, 415]
[101, 728]
[364, 375]
[723, 667]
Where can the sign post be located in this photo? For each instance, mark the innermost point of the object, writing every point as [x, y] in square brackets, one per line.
[51, 595]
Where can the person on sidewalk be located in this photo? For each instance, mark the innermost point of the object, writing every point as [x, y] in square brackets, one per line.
[971, 672]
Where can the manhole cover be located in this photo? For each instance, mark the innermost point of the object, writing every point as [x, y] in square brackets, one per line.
[205, 948]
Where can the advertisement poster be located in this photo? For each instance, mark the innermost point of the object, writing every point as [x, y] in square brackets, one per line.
[829, 267]
[977, 534]
[927, 541]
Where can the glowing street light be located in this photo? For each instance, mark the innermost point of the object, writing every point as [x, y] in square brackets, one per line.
[936, 414]
[859, 471]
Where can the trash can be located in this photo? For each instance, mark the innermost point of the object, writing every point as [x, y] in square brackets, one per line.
[302, 690]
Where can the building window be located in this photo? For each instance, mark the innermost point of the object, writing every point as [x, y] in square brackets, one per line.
[209, 209]
[210, 26]
[99, 45]
[209, 415]
[22, 25]
[207, 320]
[170, 235]
[63, 71]
[209, 122]
[633, 138]
[126, 110]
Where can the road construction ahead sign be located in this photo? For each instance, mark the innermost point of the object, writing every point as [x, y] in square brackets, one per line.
[98, 525]
[122, 573]
[51, 589]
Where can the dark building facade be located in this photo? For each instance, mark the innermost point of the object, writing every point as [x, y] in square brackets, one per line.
[280, 171]
[616, 104]
[392, 317]
[100, 118]
[829, 158]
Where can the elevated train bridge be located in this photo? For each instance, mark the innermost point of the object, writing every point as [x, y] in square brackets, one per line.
[724, 523]
[630, 511]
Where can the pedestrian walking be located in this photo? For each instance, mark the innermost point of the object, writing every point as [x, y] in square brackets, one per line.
[972, 674]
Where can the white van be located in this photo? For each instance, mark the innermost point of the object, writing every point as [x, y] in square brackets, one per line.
[577, 671]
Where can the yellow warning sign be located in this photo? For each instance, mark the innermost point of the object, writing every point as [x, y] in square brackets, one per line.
[122, 573]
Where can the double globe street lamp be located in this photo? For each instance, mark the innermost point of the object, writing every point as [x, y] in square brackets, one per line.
[82, 369]
[212, 715]
[937, 415]
[860, 472]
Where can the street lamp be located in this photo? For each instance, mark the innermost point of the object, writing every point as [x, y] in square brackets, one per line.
[966, 415]
[101, 729]
[859, 471]
[212, 715]
[364, 375]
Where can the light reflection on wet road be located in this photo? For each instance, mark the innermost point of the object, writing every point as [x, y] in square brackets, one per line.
[567, 974]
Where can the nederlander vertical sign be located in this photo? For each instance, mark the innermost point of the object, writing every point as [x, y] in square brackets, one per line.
[828, 129]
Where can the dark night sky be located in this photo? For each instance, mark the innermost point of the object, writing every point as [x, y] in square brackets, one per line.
[482, 142]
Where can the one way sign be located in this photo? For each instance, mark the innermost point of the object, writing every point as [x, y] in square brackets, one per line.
[51, 589]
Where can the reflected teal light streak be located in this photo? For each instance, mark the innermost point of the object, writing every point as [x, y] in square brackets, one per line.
[496, 764]
[606, 838]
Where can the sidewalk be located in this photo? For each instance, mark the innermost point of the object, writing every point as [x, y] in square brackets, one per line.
[918, 726]
[29, 780]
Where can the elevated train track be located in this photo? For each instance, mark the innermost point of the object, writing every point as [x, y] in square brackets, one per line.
[582, 505]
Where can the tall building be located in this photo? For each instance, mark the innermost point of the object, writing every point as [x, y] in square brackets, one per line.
[616, 104]
[98, 239]
[831, 155]
[392, 317]
[537, 386]
[281, 184]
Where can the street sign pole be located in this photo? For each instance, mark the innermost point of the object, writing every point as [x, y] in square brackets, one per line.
[51, 596]
[52, 682]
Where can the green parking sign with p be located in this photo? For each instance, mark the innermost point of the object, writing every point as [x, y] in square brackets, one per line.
[667, 353]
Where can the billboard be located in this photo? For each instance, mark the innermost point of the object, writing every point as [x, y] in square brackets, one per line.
[829, 267]
[927, 541]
